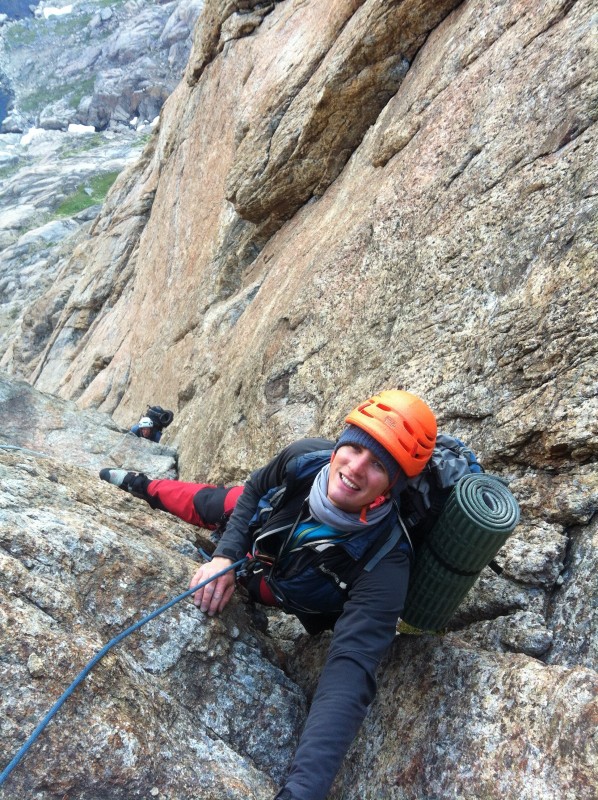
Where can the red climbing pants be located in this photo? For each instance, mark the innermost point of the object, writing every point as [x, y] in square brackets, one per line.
[201, 504]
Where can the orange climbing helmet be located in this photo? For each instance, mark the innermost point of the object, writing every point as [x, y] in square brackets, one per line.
[402, 423]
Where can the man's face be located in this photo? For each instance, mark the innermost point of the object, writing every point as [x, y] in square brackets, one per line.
[356, 478]
[146, 432]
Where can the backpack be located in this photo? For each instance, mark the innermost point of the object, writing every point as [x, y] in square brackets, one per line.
[159, 416]
[426, 494]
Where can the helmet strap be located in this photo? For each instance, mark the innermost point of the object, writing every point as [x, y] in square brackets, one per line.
[380, 500]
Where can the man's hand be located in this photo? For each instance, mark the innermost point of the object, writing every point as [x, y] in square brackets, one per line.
[213, 597]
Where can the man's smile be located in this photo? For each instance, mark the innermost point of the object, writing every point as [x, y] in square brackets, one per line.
[348, 482]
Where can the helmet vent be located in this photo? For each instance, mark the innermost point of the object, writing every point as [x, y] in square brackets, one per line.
[402, 423]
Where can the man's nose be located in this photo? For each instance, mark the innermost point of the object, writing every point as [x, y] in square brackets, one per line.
[359, 462]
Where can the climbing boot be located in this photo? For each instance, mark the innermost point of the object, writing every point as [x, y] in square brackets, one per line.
[119, 477]
[133, 482]
[284, 794]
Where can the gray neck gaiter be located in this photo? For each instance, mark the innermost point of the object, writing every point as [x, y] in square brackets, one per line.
[327, 513]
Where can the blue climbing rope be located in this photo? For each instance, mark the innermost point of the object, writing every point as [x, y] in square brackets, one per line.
[99, 655]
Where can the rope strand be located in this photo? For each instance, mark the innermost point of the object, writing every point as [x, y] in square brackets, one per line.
[99, 655]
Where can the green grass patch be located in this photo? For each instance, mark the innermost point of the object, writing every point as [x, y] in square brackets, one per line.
[41, 97]
[19, 35]
[24, 33]
[97, 190]
[89, 142]
[72, 92]
[82, 89]
[69, 24]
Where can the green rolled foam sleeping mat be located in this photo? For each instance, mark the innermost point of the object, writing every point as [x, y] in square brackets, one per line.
[478, 517]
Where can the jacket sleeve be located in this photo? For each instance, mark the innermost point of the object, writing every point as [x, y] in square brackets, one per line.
[347, 685]
[236, 541]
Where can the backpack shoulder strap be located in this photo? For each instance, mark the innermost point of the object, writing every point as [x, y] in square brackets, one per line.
[383, 548]
[383, 545]
[300, 472]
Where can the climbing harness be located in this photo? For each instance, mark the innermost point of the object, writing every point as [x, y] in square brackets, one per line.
[99, 655]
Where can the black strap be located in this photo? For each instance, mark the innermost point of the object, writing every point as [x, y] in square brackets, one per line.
[381, 547]
[384, 548]
[455, 570]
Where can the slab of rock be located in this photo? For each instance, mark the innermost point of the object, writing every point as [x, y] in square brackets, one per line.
[83, 561]
[572, 613]
[186, 706]
[470, 723]
[35, 422]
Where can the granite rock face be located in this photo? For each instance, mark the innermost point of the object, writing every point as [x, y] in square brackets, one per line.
[350, 196]
[473, 723]
[183, 707]
[53, 185]
[468, 239]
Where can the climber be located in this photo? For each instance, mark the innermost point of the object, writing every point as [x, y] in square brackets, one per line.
[322, 525]
[151, 425]
[145, 430]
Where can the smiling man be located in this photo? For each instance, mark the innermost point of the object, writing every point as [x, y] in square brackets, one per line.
[321, 522]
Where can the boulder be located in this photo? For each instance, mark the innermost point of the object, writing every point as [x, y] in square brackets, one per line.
[474, 723]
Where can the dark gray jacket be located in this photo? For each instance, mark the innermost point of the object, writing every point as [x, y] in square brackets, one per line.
[363, 630]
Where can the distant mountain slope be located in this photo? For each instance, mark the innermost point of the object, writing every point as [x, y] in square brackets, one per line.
[84, 82]
[94, 62]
